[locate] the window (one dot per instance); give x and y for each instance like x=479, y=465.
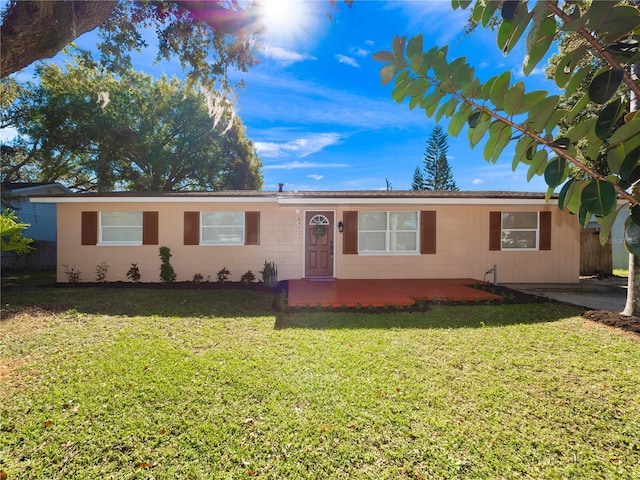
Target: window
x=519, y=231
x=388, y=232
x=121, y=228
x=222, y=228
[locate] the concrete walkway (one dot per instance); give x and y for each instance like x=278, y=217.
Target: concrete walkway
x=593, y=293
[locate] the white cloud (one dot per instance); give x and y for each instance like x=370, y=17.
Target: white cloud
x=300, y=147
x=285, y=57
x=315, y=177
x=297, y=165
x=477, y=181
x=359, y=52
x=347, y=60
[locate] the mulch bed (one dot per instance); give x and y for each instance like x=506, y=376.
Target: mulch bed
x=616, y=320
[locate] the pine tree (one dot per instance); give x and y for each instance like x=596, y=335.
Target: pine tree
x=438, y=175
x=418, y=180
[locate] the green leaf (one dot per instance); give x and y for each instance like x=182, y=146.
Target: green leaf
x=477, y=133
x=605, y=84
x=447, y=109
x=563, y=195
x=532, y=99
x=430, y=109
x=576, y=80
x=599, y=197
x=540, y=114
x=415, y=46
x=417, y=65
x=398, y=45
x=489, y=10
x=504, y=33
x=538, y=48
x=562, y=142
x=556, y=172
x=459, y=119
x=538, y=164
x=414, y=102
x=418, y=87
x=608, y=117
x=574, y=195
x=521, y=151
x=635, y=213
x=626, y=132
x=632, y=236
x=520, y=24
x=615, y=156
x=583, y=216
x=499, y=89
x=620, y=21
x=606, y=224
x=567, y=64
x=630, y=162
x=474, y=118
x=577, y=108
x=513, y=99
x=509, y=8
x=383, y=56
x=499, y=136
x=387, y=74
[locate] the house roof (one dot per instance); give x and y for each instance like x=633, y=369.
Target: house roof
x=304, y=197
x=23, y=188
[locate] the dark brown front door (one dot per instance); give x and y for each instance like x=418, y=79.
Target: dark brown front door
x=318, y=244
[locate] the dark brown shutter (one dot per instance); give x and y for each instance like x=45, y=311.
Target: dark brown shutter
x=545, y=230
x=427, y=232
x=150, y=228
x=191, y=228
x=252, y=228
x=89, y=228
x=495, y=230
x=350, y=234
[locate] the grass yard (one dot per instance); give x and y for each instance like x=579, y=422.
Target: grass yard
x=116, y=383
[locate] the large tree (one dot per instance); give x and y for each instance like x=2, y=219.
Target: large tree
x=438, y=175
x=207, y=36
x=608, y=30
x=97, y=131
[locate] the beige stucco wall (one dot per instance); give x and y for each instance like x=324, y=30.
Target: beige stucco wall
x=462, y=245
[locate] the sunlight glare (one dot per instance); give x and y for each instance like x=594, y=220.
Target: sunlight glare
x=287, y=20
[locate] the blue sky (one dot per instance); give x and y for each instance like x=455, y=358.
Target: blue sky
x=320, y=117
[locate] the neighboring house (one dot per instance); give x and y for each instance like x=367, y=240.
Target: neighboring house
x=372, y=234
x=41, y=218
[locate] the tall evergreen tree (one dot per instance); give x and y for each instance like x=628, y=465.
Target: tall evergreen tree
x=438, y=175
x=418, y=180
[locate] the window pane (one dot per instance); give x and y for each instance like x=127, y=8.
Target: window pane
x=403, y=220
x=519, y=239
x=222, y=219
x=524, y=220
x=371, y=241
x=223, y=235
x=403, y=241
x=116, y=219
x=372, y=221
x=122, y=234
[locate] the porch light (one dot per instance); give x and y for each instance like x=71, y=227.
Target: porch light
x=340, y=226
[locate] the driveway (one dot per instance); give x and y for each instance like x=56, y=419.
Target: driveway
x=592, y=292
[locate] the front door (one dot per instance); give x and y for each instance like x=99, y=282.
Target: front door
x=318, y=244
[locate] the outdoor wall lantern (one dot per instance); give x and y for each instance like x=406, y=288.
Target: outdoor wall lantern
x=340, y=226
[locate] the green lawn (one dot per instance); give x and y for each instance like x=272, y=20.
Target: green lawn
x=116, y=383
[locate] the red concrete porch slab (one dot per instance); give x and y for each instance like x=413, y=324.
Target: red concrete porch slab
x=379, y=293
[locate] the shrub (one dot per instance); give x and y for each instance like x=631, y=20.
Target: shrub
x=248, y=277
x=134, y=273
x=101, y=271
x=270, y=274
x=197, y=278
x=223, y=275
x=167, y=273
x=73, y=275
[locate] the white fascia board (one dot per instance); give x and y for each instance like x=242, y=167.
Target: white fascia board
x=153, y=200
x=414, y=201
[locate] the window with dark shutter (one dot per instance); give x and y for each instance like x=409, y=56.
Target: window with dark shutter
x=150, y=228
x=495, y=230
x=252, y=228
x=89, y=228
x=350, y=234
x=191, y=228
x=428, y=232
x=545, y=230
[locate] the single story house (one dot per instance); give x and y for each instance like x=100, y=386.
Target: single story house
x=348, y=234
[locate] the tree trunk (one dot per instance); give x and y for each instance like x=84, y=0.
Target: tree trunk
x=632, y=307
x=33, y=30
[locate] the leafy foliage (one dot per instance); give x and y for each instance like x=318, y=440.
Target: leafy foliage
x=11, y=234
x=167, y=273
x=96, y=131
x=418, y=180
x=498, y=112
x=438, y=175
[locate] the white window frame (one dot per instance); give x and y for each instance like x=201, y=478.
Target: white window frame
x=222, y=243
x=504, y=234
x=387, y=234
x=102, y=227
